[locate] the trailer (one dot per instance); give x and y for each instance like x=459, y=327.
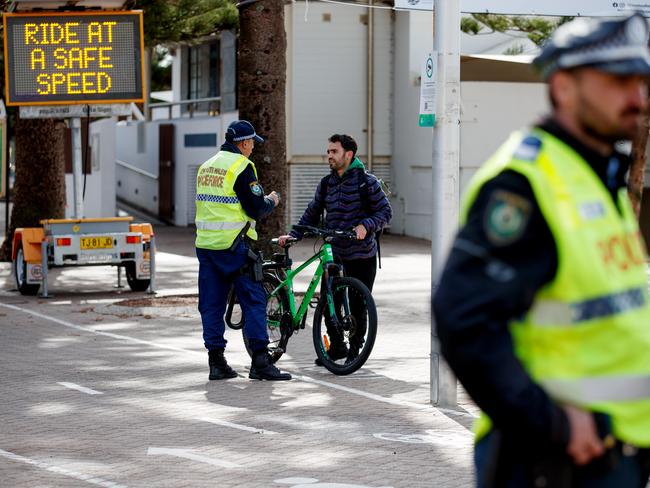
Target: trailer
x=62, y=243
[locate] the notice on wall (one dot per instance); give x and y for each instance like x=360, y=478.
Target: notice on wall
x=595, y=8
x=67, y=58
x=428, y=91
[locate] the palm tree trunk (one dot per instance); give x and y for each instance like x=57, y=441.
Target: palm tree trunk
x=636, y=179
x=262, y=80
x=39, y=189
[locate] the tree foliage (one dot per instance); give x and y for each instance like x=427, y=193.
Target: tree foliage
x=167, y=21
x=537, y=29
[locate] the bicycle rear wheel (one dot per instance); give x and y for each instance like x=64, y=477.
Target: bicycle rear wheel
x=277, y=315
x=343, y=349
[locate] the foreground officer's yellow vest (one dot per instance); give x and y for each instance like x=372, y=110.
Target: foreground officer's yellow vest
x=586, y=338
x=219, y=215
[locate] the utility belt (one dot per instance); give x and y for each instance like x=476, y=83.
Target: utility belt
x=253, y=265
x=550, y=466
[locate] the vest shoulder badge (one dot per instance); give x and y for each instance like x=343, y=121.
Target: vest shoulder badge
x=256, y=189
x=528, y=149
x=506, y=217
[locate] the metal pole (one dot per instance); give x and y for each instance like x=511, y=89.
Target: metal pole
x=119, y=277
x=75, y=125
x=445, y=173
x=371, y=83
x=152, y=266
x=7, y=173
x=44, y=268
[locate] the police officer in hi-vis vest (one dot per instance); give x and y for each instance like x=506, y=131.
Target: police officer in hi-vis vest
x=542, y=310
x=229, y=200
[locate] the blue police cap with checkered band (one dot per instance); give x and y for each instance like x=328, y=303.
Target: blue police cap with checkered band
x=240, y=130
x=618, y=46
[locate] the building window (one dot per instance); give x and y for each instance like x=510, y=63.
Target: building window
x=214, y=70
x=194, y=78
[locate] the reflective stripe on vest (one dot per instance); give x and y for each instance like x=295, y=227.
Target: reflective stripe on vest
x=202, y=197
x=553, y=313
x=599, y=390
x=202, y=225
x=586, y=338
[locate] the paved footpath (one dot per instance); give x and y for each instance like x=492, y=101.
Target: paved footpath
x=100, y=390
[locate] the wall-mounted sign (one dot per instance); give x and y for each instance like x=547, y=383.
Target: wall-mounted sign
x=538, y=7
x=74, y=58
x=428, y=91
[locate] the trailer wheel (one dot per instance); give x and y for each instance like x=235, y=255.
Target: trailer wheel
x=134, y=283
x=20, y=274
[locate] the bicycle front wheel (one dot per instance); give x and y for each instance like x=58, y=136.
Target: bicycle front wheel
x=277, y=313
x=343, y=345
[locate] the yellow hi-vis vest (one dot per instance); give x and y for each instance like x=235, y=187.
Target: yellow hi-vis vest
x=586, y=337
x=219, y=215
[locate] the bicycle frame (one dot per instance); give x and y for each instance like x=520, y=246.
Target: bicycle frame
x=325, y=258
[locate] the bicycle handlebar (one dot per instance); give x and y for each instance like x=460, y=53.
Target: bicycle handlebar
x=308, y=230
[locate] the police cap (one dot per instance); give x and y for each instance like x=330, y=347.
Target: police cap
x=618, y=46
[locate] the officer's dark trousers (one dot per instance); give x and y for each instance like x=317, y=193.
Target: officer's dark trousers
x=515, y=469
x=217, y=271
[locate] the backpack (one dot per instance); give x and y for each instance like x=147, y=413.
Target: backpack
x=365, y=200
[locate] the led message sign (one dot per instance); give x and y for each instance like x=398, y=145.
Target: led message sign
x=68, y=58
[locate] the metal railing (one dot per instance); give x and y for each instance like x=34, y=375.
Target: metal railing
x=135, y=169
x=193, y=105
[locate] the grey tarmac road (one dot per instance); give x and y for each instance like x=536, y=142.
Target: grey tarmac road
x=100, y=390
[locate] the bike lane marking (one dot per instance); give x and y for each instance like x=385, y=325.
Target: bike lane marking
x=188, y=454
x=232, y=425
x=82, y=389
x=93, y=480
x=308, y=379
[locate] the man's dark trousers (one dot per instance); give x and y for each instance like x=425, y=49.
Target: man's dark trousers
x=218, y=270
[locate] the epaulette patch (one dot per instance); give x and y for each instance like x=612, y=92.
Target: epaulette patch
x=528, y=149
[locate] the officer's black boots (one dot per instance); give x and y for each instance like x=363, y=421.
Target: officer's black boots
x=219, y=369
x=337, y=350
x=263, y=369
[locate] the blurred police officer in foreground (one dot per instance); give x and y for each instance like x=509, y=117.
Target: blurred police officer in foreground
x=229, y=200
x=543, y=310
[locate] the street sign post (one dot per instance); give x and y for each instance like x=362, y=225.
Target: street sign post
x=55, y=60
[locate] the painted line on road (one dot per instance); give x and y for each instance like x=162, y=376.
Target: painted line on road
x=225, y=423
x=93, y=480
x=365, y=394
x=354, y=391
x=82, y=389
x=99, y=332
x=188, y=454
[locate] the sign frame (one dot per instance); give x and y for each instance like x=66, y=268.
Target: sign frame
x=552, y=8
x=79, y=100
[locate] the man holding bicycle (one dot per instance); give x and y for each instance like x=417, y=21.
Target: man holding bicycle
x=350, y=198
x=229, y=200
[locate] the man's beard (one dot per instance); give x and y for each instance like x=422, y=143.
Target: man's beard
x=616, y=134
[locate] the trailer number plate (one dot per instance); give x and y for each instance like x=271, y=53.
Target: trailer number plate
x=96, y=242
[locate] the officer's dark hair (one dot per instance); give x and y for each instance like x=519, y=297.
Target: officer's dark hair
x=347, y=142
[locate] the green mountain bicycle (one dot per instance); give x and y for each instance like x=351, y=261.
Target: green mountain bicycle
x=345, y=316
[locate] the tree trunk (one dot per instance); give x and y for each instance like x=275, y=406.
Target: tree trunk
x=262, y=80
x=39, y=189
x=637, y=170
